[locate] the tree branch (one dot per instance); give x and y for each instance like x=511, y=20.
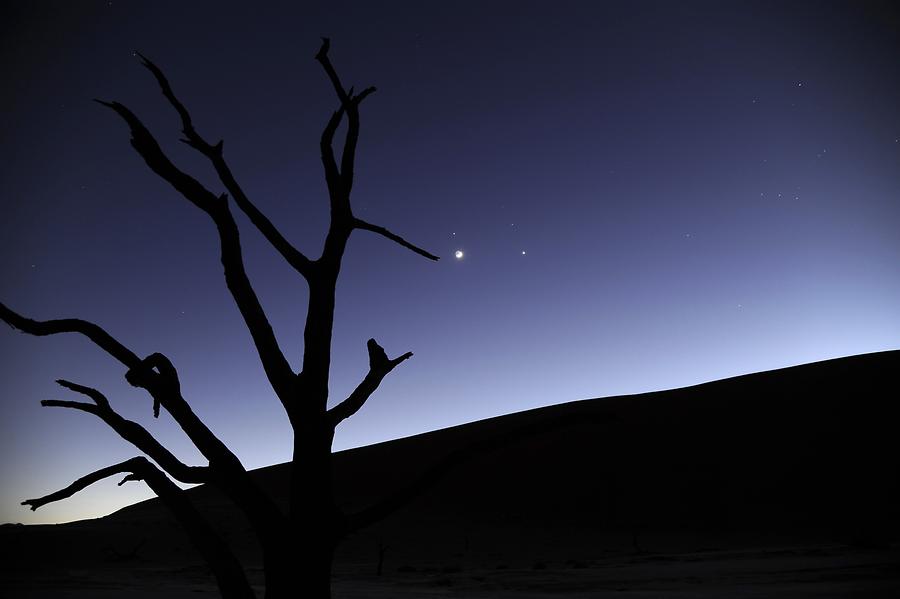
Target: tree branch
x=85, y=481
x=348, y=155
x=379, y=367
x=277, y=368
x=148, y=148
x=95, y=395
x=156, y=374
x=336, y=196
x=361, y=224
x=322, y=57
x=100, y=337
x=350, y=105
x=224, y=565
x=132, y=432
x=216, y=156
x=75, y=405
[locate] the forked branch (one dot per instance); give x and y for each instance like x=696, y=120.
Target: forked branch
x=379, y=366
x=340, y=193
x=274, y=363
x=216, y=156
x=156, y=374
x=132, y=432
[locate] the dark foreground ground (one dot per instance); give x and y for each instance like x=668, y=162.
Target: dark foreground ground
x=778, y=484
x=796, y=572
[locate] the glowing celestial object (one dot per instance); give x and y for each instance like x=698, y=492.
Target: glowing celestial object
x=458, y=254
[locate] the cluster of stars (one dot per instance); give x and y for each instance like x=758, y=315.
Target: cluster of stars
x=459, y=253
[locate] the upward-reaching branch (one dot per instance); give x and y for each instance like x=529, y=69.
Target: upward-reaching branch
x=216, y=156
x=350, y=106
x=320, y=314
x=274, y=363
x=332, y=174
x=348, y=155
x=379, y=366
x=322, y=57
x=340, y=182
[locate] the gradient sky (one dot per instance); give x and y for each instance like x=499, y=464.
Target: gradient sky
x=648, y=194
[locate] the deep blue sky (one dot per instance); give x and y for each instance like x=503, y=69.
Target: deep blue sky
x=700, y=190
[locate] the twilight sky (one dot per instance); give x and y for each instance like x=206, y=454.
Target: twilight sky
x=647, y=194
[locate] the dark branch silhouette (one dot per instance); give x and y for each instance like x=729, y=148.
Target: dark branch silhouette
x=225, y=567
x=216, y=155
x=85, y=481
x=379, y=367
x=361, y=224
x=132, y=432
x=100, y=337
x=155, y=374
x=274, y=363
x=297, y=545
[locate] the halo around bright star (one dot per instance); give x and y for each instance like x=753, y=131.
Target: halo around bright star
x=459, y=254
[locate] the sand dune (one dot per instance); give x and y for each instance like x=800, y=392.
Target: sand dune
x=783, y=483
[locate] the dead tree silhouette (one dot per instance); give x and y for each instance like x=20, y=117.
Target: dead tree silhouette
x=297, y=545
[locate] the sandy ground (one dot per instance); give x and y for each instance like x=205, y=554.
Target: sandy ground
x=820, y=572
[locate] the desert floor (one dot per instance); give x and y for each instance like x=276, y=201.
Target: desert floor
x=810, y=571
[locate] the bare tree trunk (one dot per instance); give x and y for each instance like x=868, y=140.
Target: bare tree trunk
x=298, y=547
x=316, y=521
